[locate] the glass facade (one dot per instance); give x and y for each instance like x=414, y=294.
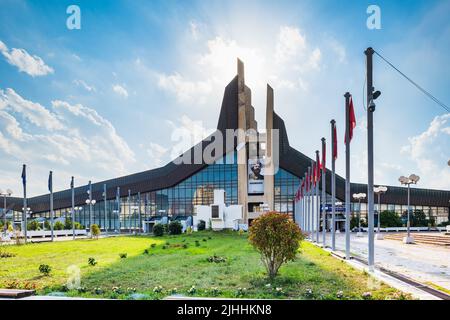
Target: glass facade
x=285, y=186
x=177, y=201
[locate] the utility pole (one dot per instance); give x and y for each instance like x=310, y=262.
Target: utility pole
x=371, y=96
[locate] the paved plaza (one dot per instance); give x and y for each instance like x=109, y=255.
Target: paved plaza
x=423, y=263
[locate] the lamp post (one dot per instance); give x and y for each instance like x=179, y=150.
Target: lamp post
x=8, y=193
x=412, y=179
x=379, y=191
x=90, y=202
x=359, y=197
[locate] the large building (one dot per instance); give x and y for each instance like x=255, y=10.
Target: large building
x=175, y=189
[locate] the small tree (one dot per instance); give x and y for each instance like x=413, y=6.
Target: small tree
x=95, y=231
x=175, y=227
x=277, y=239
x=58, y=225
x=389, y=219
x=158, y=230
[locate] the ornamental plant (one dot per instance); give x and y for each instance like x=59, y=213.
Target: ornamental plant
x=276, y=238
x=95, y=231
x=175, y=227
x=158, y=230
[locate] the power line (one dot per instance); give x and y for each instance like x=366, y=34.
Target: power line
x=436, y=100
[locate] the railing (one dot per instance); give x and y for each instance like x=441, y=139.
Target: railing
x=404, y=229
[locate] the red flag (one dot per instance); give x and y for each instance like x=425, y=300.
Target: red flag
x=352, y=121
x=313, y=174
x=335, y=152
x=318, y=167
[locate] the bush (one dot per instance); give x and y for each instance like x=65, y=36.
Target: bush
x=92, y=262
x=217, y=259
x=277, y=239
x=158, y=230
x=58, y=225
x=47, y=225
x=33, y=226
x=45, y=269
x=201, y=225
x=390, y=219
x=79, y=226
x=175, y=227
x=68, y=224
x=95, y=231
x=123, y=255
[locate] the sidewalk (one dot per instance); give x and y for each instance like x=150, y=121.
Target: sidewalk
x=423, y=263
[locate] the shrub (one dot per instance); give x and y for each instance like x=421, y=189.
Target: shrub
x=58, y=225
x=153, y=245
x=47, y=225
x=33, y=226
x=95, y=231
x=217, y=259
x=6, y=254
x=78, y=226
x=175, y=227
x=158, y=230
x=146, y=251
x=92, y=262
x=68, y=224
x=123, y=255
x=201, y=225
x=45, y=269
x=390, y=219
x=276, y=238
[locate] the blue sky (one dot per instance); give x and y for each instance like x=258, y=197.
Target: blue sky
x=106, y=100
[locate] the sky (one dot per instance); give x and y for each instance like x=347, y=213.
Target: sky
x=111, y=98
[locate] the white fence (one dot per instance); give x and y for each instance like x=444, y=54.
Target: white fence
x=404, y=229
x=56, y=233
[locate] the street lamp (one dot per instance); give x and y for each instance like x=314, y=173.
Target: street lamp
x=379, y=191
x=359, y=197
x=8, y=193
x=412, y=179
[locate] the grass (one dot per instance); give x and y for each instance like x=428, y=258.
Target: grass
x=157, y=267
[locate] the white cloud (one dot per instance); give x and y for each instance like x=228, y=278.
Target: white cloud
x=32, y=65
x=430, y=152
x=32, y=111
x=81, y=83
x=185, y=90
x=120, y=90
x=83, y=139
x=193, y=27
x=291, y=43
x=156, y=154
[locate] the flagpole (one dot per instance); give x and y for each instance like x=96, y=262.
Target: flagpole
x=311, y=195
x=316, y=180
x=347, y=175
x=118, y=207
x=333, y=188
x=52, y=214
x=24, y=183
x=139, y=212
x=73, y=207
x=308, y=227
x=105, y=204
x=324, y=198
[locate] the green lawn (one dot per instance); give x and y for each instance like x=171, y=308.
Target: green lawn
x=315, y=274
